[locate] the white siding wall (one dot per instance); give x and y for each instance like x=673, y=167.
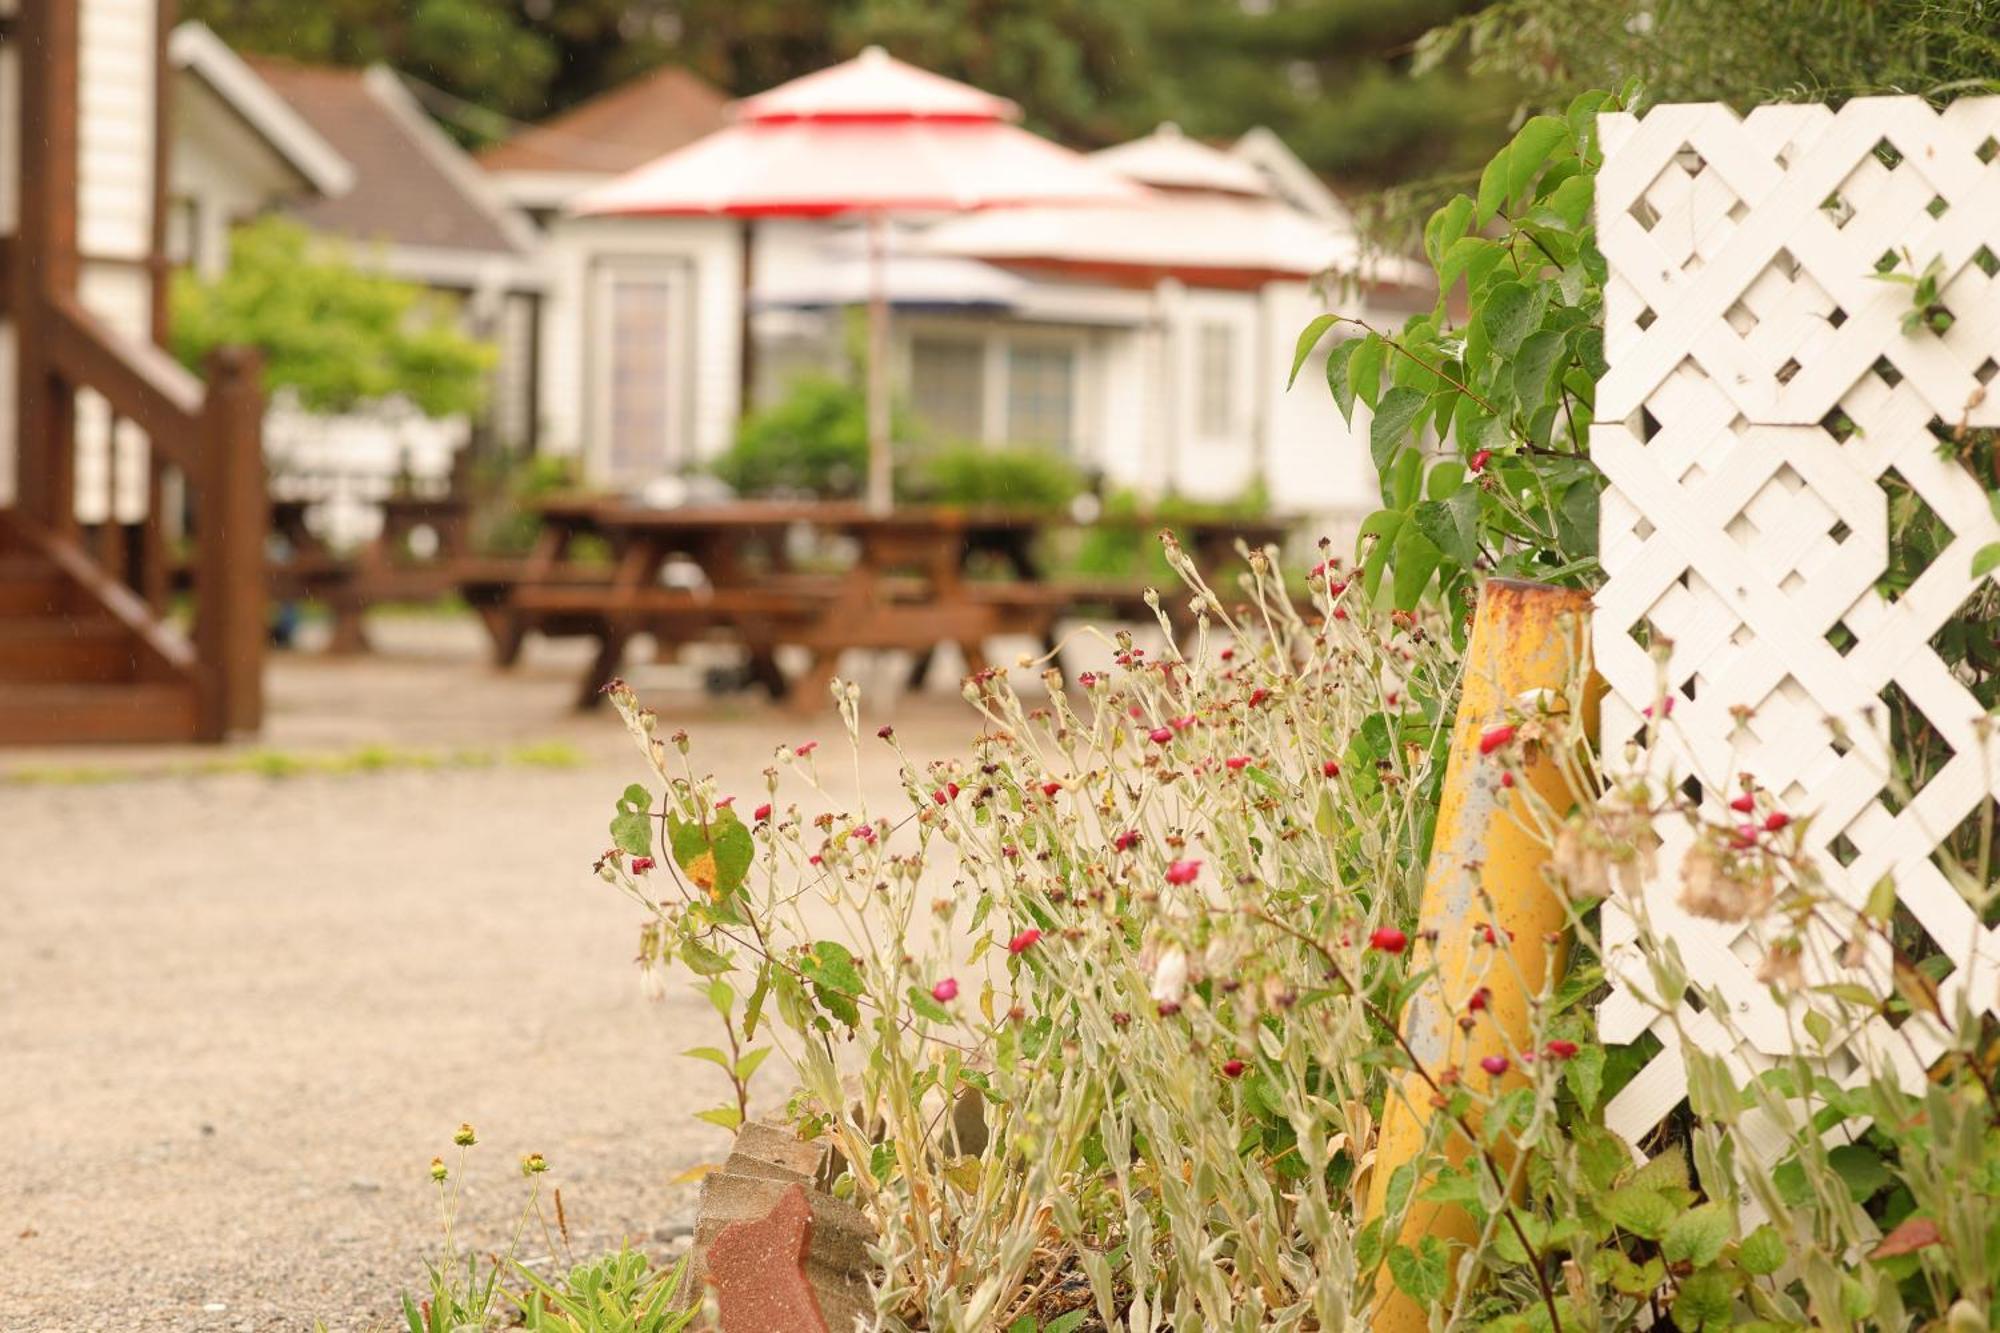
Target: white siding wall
x=115, y=125
x=114, y=220
x=579, y=250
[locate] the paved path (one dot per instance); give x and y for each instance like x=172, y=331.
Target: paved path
x=240, y=1014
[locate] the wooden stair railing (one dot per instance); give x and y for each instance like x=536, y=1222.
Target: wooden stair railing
x=213, y=441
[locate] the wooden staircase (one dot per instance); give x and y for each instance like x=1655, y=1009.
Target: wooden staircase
x=88, y=650
x=72, y=669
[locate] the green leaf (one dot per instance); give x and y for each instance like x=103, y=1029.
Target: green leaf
x=710, y=1054
x=1697, y=1236
x=1446, y=227
x=1572, y=199
x=1705, y=1302
x=1861, y=1168
x=703, y=960
x=1762, y=1252
x=1508, y=174
x=1309, y=338
x=1401, y=1181
x=1416, y=559
x=726, y=1116
x=835, y=980
x=926, y=1004
x=1585, y=1074
x=1420, y=1272
x=1337, y=363
x=747, y=1066
x=1985, y=560
x=1645, y=1213
x=1451, y=526
x=1510, y=313
x=1535, y=364
x=1067, y=1323
x=1391, y=428
x=1364, y=370
x=631, y=828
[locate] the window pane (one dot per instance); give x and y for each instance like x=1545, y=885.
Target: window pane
x=1215, y=381
x=948, y=386
x=1040, y=394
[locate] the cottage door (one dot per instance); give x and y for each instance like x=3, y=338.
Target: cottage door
x=641, y=400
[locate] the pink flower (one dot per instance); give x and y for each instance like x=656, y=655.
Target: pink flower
x=1507, y=778
x=1480, y=459
x=1387, y=939
x=1024, y=941
x=1183, y=722
x=951, y=790
x=1159, y=735
x=641, y=864
x=1330, y=769
x=884, y=732
x=762, y=812
x=1559, y=1050
x=1258, y=696
x=1495, y=1065
x=803, y=750
x=1232, y=1069
x=1776, y=820
x=725, y=803
x=1494, y=737
x=865, y=832
x=1744, y=804
x=815, y=859
x=1237, y=763
x=938, y=797
x=1051, y=788
x=1183, y=872
x=945, y=991
x=1665, y=708
x=1126, y=841
x=1478, y=999
x=1227, y=654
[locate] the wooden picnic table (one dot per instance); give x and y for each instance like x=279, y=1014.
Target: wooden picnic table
x=907, y=587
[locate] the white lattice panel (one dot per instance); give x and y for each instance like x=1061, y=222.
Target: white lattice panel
x=1762, y=401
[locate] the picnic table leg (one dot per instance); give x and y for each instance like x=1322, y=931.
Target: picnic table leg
x=920, y=667
x=808, y=694
x=350, y=631
x=503, y=626
x=610, y=657
x=762, y=668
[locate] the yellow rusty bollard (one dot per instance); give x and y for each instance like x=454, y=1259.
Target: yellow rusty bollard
x=1528, y=637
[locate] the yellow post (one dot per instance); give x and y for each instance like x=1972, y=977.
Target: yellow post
x=1485, y=869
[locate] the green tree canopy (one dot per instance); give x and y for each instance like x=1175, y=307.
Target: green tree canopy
x=335, y=334
x=1331, y=76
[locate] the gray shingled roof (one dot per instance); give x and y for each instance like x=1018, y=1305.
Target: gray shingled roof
x=402, y=195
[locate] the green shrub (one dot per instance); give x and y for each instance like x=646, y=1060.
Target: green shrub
x=337, y=335
x=1013, y=478
x=813, y=441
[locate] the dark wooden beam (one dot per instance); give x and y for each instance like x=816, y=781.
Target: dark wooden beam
x=45, y=261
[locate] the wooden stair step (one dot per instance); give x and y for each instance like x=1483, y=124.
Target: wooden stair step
x=73, y=648
x=30, y=585
x=105, y=712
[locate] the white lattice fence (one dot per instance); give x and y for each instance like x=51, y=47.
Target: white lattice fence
x=1763, y=403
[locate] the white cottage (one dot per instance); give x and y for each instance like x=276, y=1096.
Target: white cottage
x=1150, y=345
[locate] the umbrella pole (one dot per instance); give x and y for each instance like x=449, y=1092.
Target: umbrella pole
x=881, y=496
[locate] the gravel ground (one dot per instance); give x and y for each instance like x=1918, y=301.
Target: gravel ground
x=239, y=1014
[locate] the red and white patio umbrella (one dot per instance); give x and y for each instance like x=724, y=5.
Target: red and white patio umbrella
x=873, y=136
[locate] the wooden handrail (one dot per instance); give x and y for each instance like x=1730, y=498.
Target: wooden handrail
x=142, y=382
x=233, y=517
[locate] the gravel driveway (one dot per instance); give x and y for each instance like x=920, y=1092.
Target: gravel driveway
x=239, y=1014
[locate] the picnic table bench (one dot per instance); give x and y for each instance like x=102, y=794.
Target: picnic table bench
x=907, y=588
